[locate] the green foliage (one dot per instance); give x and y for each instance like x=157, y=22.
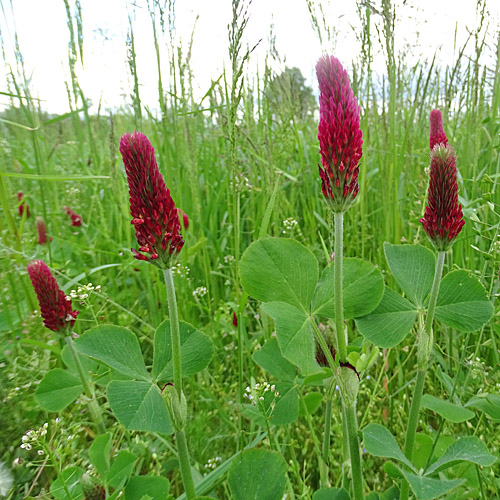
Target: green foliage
x=68, y=482
x=58, y=389
x=462, y=301
x=380, y=442
x=139, y=406
x=446, y=409
x=331, y=494
x=196, y=351
x=284, y=275
x=258, y=475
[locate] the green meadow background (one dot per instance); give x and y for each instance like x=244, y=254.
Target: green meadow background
x=246, y=150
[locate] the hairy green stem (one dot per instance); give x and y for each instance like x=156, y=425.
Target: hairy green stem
x=175, y=340
x=94, y=408
x=349, y=412
x=352, y=431
x=326, y=442
x=185, y=466
x=425, y=341
x=337, y=273
x=174, y=330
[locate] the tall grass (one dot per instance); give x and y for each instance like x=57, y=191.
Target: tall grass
x=223, y=156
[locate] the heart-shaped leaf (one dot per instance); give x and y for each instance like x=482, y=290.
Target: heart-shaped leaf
x=121, y=468
x=390, y=322
x=58, y=389
x=269, y=358
x=413, y=268
x=156, y=487
x=99, y=452
x=139, y=406
x=196, y=351
x=428, y=488
x=380, y=442
x=462, y=302
x=469, y=449
x=257, y=475
x=295, y=335
x=363, y=287
x=279, y=270
x=446, y=409
x=68, y=481
x=116, y=347
x=331, y=494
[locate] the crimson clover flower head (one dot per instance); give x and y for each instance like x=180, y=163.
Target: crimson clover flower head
x=437, y=135
x=57, y=312
x=76, y=220
x=154, y=216
x=42, y=231
x=23, y=205
x=340, y=137
x=443, y=218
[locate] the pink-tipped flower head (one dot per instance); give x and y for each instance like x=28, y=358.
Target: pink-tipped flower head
x=57, y=312
x=76, y=220
x=437, y=135
x=153, y=211
x=340, y=137
x=22, y=205
x=42, y=231
x=443, y=218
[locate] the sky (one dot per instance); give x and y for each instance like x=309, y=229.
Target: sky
x=423, y=28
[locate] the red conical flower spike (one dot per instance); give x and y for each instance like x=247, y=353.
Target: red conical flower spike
x=443, y=218
x=42, y=231
x=23, y=205
x=153, y=211
x=437, y=135
x=340, y=137
x=76, y=219
x=56, y=311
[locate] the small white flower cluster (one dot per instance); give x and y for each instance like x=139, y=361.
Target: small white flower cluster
x=212, y=463
x=72, y=191
x=240, y=182
x=83, y=292
x=291, y=227
x=228, y=259
x=32, y=436
x=180, y=270
x=257, y=391
x=201, y=291
x=5, y=146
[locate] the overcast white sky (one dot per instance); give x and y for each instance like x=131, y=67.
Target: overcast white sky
x=428, y=26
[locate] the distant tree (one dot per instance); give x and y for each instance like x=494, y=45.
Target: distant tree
x=288, y=96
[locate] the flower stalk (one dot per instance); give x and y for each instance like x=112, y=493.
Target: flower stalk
x=58, y=315
x=180, y=436
x=340, y=140
x=424, y=347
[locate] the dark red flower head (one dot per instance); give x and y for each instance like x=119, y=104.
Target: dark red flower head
x=153, y=211
x=443, y=218
x=437, y=135
x=76, y=219
x=340, y=137
x=56, y=311
x=23, y=205
x=42, y=231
